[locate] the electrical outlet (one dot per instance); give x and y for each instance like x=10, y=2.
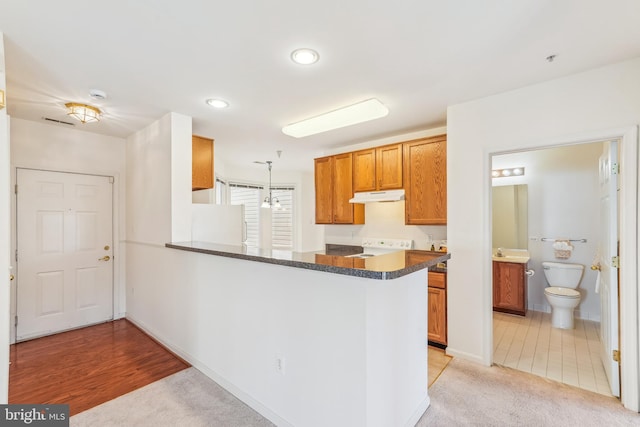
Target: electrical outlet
x=280, y=365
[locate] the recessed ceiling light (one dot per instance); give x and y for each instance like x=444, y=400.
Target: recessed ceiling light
x=217, y=103
x=305, y=56
x=347, y=116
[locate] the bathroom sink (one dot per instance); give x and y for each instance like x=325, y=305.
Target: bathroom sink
x=520, y=256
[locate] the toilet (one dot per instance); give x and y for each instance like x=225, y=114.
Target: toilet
x=563, y=279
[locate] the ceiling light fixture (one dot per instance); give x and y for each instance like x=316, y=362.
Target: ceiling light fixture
x=353, y=114
x=83, y=112
x=305, y=56
x=501, y=173
x=269, y=201
x=217, y=103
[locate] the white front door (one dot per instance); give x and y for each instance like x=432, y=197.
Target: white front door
x=64, y=241
x=608, y=276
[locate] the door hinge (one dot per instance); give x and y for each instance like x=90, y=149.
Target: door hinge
x=616, y=355
x=615, y=169
x=615, y=262
x=16, y=255
x=15, y=322
x=15, y=189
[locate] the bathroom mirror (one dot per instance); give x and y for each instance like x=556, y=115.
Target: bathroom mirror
x=510, y=219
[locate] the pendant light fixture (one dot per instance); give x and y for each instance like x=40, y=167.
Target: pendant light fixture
x=83, y=112
x=269, y=201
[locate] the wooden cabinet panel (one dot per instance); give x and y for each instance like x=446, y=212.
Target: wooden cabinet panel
x=201, y=163
x=389, y=167
x=437, y=280
x=437, y=308
x=509, y=287
x=378, y=168
x=364, y=170
x=334, y=188
x=340, y=261
x=343, y=189
x=324, y=190
x=425, y=181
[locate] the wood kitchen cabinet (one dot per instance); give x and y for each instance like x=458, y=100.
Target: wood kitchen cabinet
x=425, y=181
x=509, y=287
x=340, y=261
x=378, y=168
x=334, y=188
x=437, y=308
x=201, y=163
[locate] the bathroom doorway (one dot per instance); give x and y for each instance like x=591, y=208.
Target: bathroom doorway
x=563, y=203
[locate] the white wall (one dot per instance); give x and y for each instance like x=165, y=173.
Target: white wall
x=159, y=182
x=5, y=234
x=56, y=148
x=568, y=109
x=563, y=202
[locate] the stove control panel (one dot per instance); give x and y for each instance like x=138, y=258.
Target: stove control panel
x=391, y=244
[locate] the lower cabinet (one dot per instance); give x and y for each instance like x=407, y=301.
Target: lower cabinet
x=509, y=287
x=437, y=308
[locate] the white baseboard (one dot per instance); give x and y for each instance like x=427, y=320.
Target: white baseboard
x=422, y=407
x=221, y=381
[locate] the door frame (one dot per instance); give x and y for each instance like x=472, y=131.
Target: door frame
x=118, y=265
x=629, y=217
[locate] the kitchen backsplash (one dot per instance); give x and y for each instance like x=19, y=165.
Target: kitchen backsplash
x=385, y=220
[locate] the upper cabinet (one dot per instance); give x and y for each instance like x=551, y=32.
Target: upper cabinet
x=425, y=181
x=334, y=188
x=418, y=166
x=378, y=168
x=201, y=163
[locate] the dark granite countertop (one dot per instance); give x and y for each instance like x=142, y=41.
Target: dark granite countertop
x=333, y=260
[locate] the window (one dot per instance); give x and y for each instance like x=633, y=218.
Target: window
x=249, y=196
x=221, y=192
x=282, y=219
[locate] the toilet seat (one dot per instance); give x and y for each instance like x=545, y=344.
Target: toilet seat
x=557, y=291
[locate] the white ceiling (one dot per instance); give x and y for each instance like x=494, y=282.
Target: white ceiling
x=417, y=57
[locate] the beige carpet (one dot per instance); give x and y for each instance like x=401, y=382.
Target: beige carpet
x=467, y=394
x=187, y=398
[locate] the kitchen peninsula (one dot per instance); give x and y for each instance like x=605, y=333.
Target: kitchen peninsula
x=306, y=341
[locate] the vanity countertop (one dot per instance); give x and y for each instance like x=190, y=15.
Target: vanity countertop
x=520, y=256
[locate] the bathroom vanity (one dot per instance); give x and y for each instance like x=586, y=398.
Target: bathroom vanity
x=510, y=281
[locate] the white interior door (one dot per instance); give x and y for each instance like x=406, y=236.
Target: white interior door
x=608, y=248
x=64, y=241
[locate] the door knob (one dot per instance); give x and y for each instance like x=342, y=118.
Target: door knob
x=104, y=258
x=11, y=277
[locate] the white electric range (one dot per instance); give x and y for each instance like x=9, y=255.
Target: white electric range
x=373, y=246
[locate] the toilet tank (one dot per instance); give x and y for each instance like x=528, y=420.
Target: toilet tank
x=563, y=275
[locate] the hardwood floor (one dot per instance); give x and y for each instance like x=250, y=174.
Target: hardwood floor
x=437, y=362
x=89, y=366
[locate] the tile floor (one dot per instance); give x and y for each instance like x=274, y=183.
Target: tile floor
x=437, y=361
x=530, y=344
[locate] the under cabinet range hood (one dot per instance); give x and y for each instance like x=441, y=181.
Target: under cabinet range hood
x=378, y=196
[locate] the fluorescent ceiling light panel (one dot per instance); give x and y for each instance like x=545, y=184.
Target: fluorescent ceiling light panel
x=357, y=113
